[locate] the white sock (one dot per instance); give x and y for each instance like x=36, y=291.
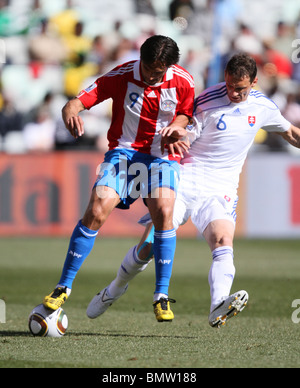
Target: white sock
x=68, y=290
x=130, y=267
x=157, y=297
x=221, y=275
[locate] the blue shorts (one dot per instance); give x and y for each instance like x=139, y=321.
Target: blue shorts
x=133, y=174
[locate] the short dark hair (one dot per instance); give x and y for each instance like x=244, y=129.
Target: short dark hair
x=160, y=48
x=242, y=65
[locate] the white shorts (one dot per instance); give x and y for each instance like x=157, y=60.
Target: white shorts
x=204, y=210
x=201, y=198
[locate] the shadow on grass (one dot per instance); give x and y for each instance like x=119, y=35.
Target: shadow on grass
x=8, y=333
x=5, y=334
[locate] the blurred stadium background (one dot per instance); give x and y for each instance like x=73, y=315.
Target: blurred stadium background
x=51, y=49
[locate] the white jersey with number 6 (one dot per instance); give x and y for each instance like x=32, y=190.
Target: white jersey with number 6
x=210, y=172
x=226, y=132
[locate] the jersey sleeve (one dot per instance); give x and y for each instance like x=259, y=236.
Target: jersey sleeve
x=99, y=91
x=187, y=103
x=186, y=96
x=194, y=129
x=276, y=122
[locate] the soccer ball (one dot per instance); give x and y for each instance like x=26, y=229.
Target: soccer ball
x=47, y=323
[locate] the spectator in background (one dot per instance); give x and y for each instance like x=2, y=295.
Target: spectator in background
x=65, y=21
x=46, y=47
x=6, y=19
x=285, y=35
x=276, y=63
x=40, y=134
x=124, y=52
x=181, y=8
x=98, y=53
x=247, y=41
x=292, y=109
x=32, y=115
x=10, y=119
x=195, y=64
x=78, y=69
x=35, y=17
x=144, y=7
x=78, y=45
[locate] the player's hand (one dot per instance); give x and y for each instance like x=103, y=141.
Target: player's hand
x=175, y=137
x=174, y=131
x=75, y=126
x=179, y=147
x=72, y=120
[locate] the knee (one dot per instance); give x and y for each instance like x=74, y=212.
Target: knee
x=166, y=212
x=94, y=217
x=219, y=233
x=163, y=217
x=220, y=240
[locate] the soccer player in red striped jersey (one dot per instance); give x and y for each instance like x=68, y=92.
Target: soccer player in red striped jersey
x=152, y=104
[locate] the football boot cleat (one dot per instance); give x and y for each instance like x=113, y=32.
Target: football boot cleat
x=101, y=302
x=56, y=299
x=228, y=308
x=163, y=311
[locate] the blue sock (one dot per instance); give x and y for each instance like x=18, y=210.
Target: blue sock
x=81, y=244
x=164, y=250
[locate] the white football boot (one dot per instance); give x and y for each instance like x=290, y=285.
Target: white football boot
x=101, y=302
x=228, y=308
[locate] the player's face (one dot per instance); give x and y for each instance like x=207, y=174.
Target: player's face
x=153, y=73
x=238, y=89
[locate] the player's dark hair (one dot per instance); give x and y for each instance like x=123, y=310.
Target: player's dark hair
x=242, y=65
x=160, y=48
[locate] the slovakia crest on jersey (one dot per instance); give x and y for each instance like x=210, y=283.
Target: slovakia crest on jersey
x=251, y=120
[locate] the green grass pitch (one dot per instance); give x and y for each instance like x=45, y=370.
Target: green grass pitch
x=127, y=335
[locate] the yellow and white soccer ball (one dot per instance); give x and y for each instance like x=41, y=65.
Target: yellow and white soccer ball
x=47, y=323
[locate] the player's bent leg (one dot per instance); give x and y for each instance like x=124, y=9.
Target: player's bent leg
x=228, y=308
x=102, y=202
x=81, y=244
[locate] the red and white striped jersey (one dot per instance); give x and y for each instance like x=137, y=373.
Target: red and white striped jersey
x=139, y=110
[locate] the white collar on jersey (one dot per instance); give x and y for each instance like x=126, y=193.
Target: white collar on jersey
x=137, y=73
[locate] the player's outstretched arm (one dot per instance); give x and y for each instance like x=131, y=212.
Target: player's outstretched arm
x=72, y=120
x=292, y=136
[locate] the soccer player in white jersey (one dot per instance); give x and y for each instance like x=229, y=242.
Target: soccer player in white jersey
x=227, y=118
x=149, y=95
